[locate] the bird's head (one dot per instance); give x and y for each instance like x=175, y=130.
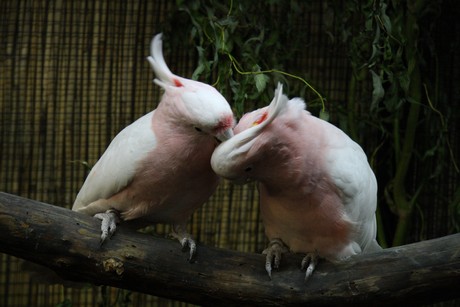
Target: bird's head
x=238, y=158
x=200, y=106
x=207, y=110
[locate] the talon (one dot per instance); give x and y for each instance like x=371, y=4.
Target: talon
x=268, y=261
x=274, y=251
x=109, y=220
x=305, y=262
x=268, y=268
x=192, y=246
x=309, y=263
x=185, y=240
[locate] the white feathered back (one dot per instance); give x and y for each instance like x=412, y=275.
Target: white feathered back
x=116, y=167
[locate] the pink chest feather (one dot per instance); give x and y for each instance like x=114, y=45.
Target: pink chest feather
x=169, y=185
x=313, y=222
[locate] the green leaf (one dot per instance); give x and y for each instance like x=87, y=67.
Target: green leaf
x=198, y=71
x=324, y=115
x=385, y=19
x=404, y=82
x=261, y=82
x=378, y=92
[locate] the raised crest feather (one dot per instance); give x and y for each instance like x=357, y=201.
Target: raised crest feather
x=164, y=76
x=242, y=142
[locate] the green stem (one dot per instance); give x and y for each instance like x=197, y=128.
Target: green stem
x=403, y=204
x=238, y=68
x=381, y=238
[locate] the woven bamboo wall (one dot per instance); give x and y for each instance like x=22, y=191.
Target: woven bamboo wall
x=73, y=74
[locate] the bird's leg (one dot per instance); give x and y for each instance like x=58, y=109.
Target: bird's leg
x=109, y=219
x=275, y=249
x=185, y=239
x=309, y=263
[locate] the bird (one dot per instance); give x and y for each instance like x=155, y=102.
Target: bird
x=157, y=169
x=317, y=191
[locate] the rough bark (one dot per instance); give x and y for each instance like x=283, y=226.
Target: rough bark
x=68, y=242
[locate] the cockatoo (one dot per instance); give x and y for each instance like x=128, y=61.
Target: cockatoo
x=317, y=191
x=158, y=168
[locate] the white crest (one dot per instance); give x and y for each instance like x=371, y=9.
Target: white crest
x=164, y=76
x=241, y=143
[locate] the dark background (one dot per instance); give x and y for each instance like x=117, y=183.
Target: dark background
x=74, y=73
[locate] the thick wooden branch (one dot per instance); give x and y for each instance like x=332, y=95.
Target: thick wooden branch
x=68, y=242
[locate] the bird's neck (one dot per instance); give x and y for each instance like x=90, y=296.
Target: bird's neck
x=171, y=104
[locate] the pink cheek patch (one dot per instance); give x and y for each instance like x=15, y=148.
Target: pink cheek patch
x=225, y=123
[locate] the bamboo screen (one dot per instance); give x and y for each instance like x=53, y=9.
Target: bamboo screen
x=73, y=74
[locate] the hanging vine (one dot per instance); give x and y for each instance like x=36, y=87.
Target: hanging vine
x=388, y=43
x=244, y=46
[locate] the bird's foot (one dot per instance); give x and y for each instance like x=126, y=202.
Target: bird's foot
x=185, y=239
x=309, y=263
x=109, y=220
x=274, y=251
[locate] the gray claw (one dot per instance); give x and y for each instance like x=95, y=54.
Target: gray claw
x=192, y=245
x=309, y=263
x=268, y=268
x=185, y=239
x=109, y=220
x=274, y=251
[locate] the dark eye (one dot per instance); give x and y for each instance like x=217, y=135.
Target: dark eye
x=248, y=169
x=198, y=129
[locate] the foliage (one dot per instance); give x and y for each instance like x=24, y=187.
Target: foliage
x=390, y=42
x=245, y=46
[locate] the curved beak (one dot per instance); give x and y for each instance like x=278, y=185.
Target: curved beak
x=224, y=135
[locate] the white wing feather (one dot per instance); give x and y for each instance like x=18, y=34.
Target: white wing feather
x=348, y=168
x=117, y=165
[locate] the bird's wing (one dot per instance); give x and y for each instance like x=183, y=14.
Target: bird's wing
x=348, y=168
x=116, y=167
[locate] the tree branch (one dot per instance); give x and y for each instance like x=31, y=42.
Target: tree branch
x=68, y=242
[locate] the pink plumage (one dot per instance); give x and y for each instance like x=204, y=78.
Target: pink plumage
x=158, y=168
x=317, y=190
